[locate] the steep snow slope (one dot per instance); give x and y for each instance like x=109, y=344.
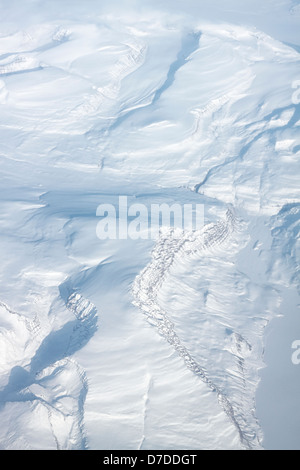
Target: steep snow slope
x=148, y=344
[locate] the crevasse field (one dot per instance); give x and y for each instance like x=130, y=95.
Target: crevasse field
x=178, y=342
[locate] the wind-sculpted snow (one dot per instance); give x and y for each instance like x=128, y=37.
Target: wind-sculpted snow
x=20, y=64
x=190, y=44
x=19, y=328
x=182, y=102
x=53, y=381
x=286, y=232
x=169, y=251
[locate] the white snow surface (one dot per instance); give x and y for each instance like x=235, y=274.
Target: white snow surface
x=183, y=342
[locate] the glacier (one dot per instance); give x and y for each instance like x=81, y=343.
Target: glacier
x=183, y=342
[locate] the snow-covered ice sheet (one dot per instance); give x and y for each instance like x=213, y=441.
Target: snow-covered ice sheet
x=183, y=342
